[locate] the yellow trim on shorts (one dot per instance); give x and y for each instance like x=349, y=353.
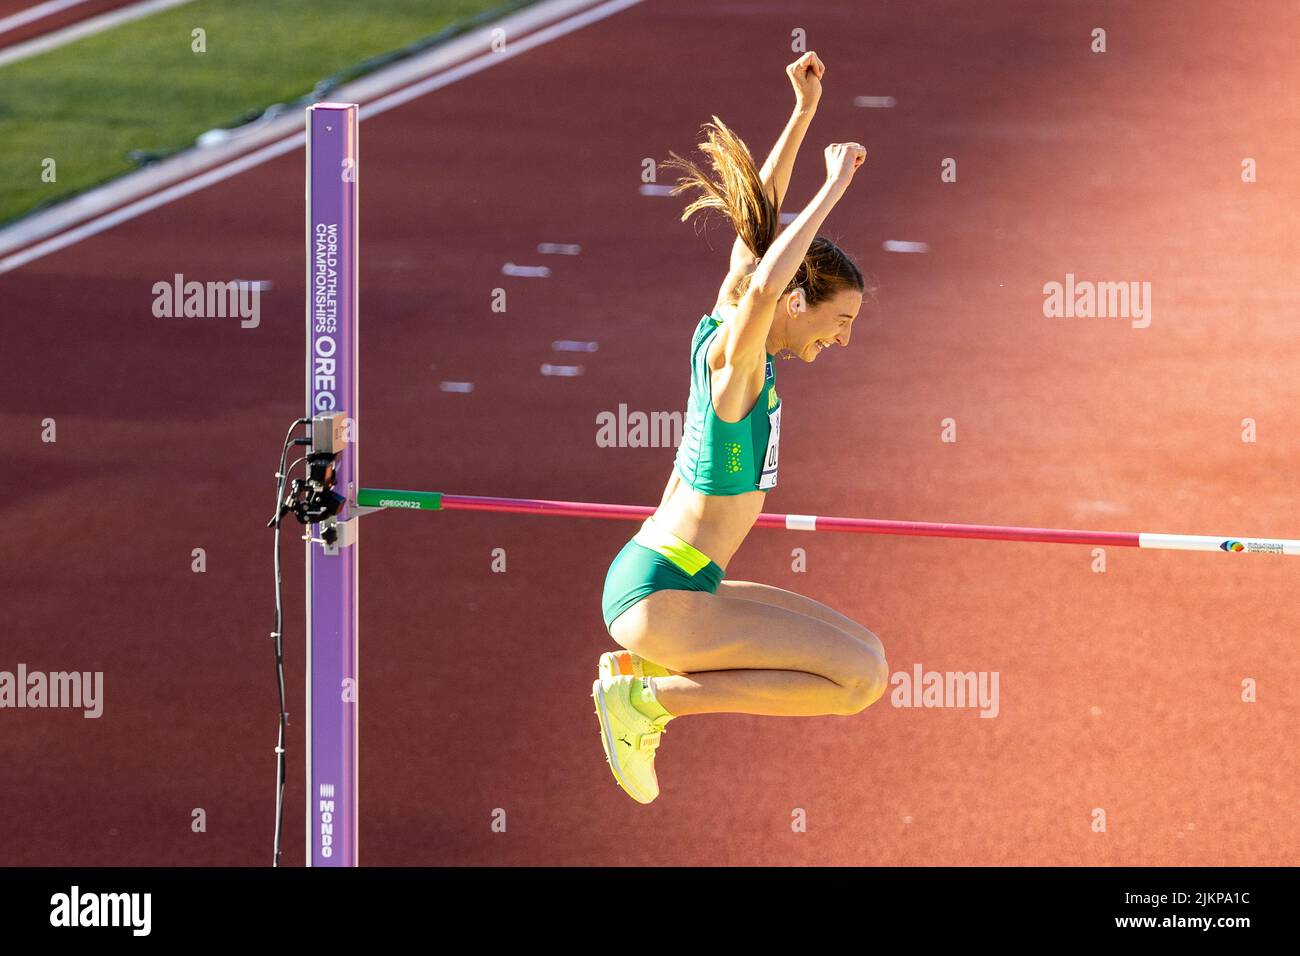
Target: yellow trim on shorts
x=659, y=539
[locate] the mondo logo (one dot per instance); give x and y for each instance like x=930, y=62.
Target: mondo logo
x=326, y=808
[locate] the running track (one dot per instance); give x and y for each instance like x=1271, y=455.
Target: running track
x=49, y=18
x=1118, y=690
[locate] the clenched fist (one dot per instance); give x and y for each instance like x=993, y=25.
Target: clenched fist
x=806, y=77
x=842, y=161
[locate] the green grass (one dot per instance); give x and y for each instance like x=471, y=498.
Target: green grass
x=141, y=87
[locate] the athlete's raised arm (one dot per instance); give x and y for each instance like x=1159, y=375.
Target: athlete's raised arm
x=748, y=336
x=805, y=76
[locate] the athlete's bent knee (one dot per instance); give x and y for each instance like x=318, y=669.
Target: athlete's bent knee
x=866, y=685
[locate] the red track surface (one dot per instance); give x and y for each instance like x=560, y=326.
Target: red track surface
x=55, y=21
x=1119, y=690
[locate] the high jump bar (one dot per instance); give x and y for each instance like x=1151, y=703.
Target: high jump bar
x=369, y=499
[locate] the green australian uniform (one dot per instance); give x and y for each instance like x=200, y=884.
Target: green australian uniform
x=718, y=457
x=715, y=457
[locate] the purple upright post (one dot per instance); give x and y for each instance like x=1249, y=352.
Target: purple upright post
x=332, y=571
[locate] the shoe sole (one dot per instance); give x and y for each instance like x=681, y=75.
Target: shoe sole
x=607, y=741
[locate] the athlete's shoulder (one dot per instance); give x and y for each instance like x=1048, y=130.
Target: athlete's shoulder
x=711, y=321
x=721, y=312
x=704, y=329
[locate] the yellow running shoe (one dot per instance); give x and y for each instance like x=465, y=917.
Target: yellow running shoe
x=614, y=663
x=629, y=737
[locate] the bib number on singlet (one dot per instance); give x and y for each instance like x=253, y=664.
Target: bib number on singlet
x=768, y=478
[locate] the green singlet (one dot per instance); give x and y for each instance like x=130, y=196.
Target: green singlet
x=717, y=457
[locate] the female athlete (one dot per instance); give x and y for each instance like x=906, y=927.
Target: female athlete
x=694, y=642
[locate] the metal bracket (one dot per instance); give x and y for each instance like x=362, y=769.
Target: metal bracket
x=337, y=534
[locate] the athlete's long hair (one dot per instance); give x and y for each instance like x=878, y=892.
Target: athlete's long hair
x=736, y=190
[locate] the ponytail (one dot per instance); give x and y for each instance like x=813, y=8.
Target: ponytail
x=736, y=190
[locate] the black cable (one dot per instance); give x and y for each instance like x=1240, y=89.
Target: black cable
x=281, y=478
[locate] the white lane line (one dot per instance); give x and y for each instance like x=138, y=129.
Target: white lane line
x=38, y=12
x=509, y=51
x=562, y=371
x=148, y=203
x=527, y=272
x=289, y=143
x=901, y=245
x=76, y=31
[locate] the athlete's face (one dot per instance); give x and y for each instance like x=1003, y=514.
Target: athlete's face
x=826, y=324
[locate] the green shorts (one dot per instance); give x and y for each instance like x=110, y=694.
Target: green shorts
x=655, y=560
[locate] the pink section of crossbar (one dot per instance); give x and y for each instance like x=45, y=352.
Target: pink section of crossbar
x=932, y=529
